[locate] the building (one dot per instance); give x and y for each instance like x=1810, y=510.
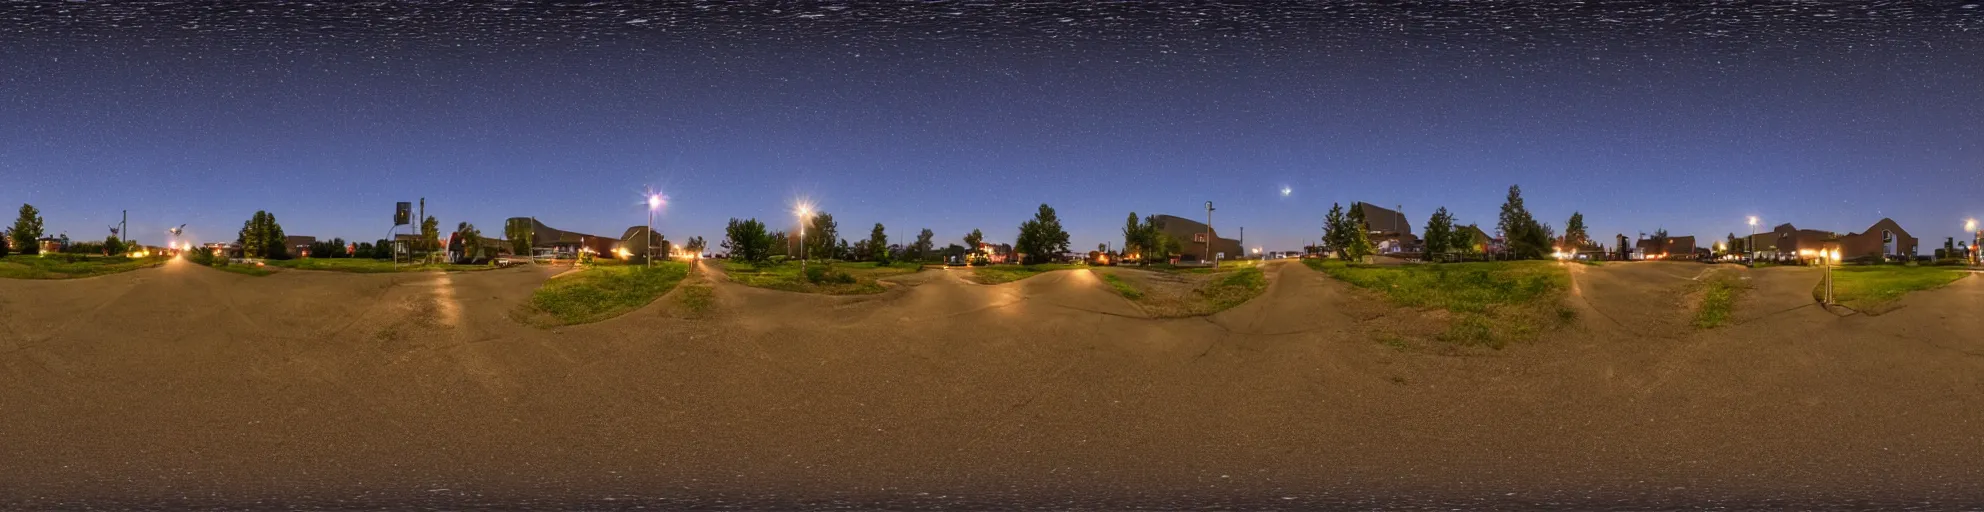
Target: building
x=630, y=243
x=1478, y=241
x=996, y=253
x=1785, y=243
x=298, y=246
x=1390, y=232
x=1884, y=239
x=1191, y=237
x=1675, y=247
x=554, y=243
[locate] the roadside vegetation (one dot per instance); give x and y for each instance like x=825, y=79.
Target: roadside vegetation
x=602, y=292
x=1186, y=291
x=367, y=266
x=827, y=277
x=1124, y=288
x=1875, y=289
x=1492, y=304
x=1717, y=304
x=999, y=274
x=71, y=266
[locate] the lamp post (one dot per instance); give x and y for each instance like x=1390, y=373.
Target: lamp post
x=1975, y=236
x=647, y=253
x=1215, y=261
x=805, y=211
x=1751, y=244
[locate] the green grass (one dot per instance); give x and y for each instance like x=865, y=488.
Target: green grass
x=604, y=292
x=1875, y=288
x=247, y=269
x=58, y=266
x=1493, y=303
x=1718, y=302
x=1122, y=287
x=999, y=274
x=1235, y=287
x=697, y=298
x=1224, y=266
x=787, y=276
x=367, y=266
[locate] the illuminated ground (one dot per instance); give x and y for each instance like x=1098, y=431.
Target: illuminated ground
x=188, y=386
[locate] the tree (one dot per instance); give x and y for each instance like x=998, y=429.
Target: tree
x=1439, y=234
x=1575, y=236
x=1461, y=240
x=363, y=250
x=842, y=251
x=1352, y=233
x=26, y=232
x=112, y=246
x=261, y=237
x=822, y=235
x=924, y=244
x=1526, y=238
x=430, y=234
x=747, y=241
x=382, y=250
x=954, y=251
x=1335, y=234
x=782, y=244
x=973, y=240
x=518, y=231
x=695, y=245
x=1133, y=234
x=1041, y=238
x=878, y=244
x=471, y=241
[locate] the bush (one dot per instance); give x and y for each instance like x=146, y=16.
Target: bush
x=980, y=261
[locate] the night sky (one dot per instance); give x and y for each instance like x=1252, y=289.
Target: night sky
x=955, y=116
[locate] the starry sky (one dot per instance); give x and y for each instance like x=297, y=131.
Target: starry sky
x=954, y=116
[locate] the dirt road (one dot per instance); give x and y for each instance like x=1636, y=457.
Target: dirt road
x=187, y=386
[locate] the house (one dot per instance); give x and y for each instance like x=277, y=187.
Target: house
x=1674, y=247
x=996, y=253
x=554, y=243
x=1882, y=240
x=631, y=241
x=1478, y=241
x=1192, y=242
x=298, y=246
x=1786, y=242
x=1390, y=232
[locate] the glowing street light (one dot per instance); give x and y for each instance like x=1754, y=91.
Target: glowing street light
x=804, y=210
x=647, y=253
x=1751, y=243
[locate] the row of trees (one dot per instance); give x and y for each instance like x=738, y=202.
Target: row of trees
x=1346, y=233
x=1041, y=239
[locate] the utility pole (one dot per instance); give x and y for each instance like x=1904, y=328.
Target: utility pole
x=1215, y=261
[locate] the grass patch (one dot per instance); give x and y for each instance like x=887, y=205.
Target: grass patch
x=246, y=270
x=1718, y=302
x=1875, y=288
x=832, y=278
x=71, y=266
x=1124, y=288
x=999, y=274
x=600, y=293
x=1224, y=266
x=367, y=266
x=1493, y=303
x=1235, y=287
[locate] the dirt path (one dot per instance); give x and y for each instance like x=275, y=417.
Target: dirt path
x=183, y=386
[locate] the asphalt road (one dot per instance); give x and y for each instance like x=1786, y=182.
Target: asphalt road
x=184, y=386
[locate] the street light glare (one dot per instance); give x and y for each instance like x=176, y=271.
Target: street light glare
x=1753, y=220
x=654, y=201
x=1970, y=225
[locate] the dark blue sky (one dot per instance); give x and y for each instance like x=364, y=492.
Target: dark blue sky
x=953, y=117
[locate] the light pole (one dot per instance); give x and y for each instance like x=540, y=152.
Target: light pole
x=1975, y=236
x=647, y=253
x=1215, y=261
x=1751, y=244
x=805, y=211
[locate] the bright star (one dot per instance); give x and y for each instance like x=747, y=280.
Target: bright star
x=1285, y=191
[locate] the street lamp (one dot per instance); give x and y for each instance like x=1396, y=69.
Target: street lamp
x=647, y=253
x=1970, y=226
x=1751, y=244
x=805, y=212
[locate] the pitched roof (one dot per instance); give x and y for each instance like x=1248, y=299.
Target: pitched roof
x=1383, y=219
